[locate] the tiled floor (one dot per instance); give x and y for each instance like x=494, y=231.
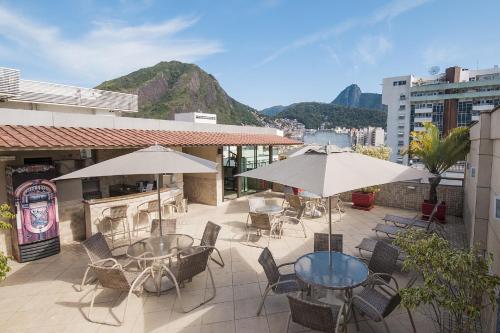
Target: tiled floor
x=42, y=296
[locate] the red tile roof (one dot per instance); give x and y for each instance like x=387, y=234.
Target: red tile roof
x=45, y=137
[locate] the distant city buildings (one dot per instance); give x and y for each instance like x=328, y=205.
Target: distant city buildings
x=450, y=99
x=368, y=136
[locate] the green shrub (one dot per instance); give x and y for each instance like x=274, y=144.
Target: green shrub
x=5, y=215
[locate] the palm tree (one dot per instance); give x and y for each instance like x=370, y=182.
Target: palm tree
x=437, y=153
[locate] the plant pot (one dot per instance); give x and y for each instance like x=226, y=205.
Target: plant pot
x=427, y=208
x=362, y=200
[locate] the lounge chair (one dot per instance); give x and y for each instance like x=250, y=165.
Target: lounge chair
x=368, y=245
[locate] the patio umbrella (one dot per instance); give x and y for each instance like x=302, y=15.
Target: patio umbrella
x=328, y=170
x=155, y=160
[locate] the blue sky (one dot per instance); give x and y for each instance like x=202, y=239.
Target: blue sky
x=263, y=52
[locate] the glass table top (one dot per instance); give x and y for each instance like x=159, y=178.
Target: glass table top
x=345, y=271
x=269, y=209
x=155, y=248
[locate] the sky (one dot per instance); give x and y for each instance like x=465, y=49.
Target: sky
x=262, y=52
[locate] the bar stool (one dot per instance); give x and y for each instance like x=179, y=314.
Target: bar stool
x=145, y=211
x=113, y=219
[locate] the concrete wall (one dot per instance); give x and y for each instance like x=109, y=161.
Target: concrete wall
x=60, y=119
x=206, y=188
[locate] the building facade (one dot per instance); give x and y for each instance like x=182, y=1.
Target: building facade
x=450, y=99
x=368, y=136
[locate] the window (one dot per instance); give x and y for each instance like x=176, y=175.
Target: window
x=401, y=83
x=402, y=107
x=401, y=117
x=395, y=83
x=402, y=97
x=401, y=127
x=497, y=207
x=401, y=143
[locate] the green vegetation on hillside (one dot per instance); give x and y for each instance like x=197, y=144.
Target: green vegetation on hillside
x=313, y=114
x=174, y=87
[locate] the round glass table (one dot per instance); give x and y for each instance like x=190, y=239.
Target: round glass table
x=338, y=272
x=155, y=250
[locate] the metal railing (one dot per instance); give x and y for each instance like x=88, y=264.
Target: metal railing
x=52, y=93
x=9, y=82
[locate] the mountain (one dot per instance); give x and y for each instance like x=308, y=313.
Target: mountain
x=175, y=87
x=273, y=110
x=353, y=96
x=314, y=114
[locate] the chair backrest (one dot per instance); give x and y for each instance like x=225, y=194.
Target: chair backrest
x=97, y=248
x=153, y=206
x=149, y=187
x=301, y=211
x=395, y=299
x=255, y=203
x=117, y=212
x=383, y=259
x=295, y=202
x=266, y=260
x=193, y=263
x=111, y=277
x=210, y=234
x=321, y=242
x=178, y=199
x=314, y=315
x=260, y=221
x=168, y=226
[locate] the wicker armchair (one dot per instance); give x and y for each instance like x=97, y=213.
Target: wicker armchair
x=377, y=300
x=112, y=220
x=210, y=238
x=254, y=204
x=297, y=219
x=188, y=265
x=98, y=250
x=294, y=203
x=314, y=314
x=115, y=277
x=263, y=221
x=321, y=242
x=179, y=205
x=277, y=282
x=383, y=261
x=168, y=226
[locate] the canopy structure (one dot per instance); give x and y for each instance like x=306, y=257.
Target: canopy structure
x=155, y=160
x=327, y=171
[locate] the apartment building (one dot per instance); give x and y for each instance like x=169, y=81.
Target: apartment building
x=368, y=136
x=450, y=99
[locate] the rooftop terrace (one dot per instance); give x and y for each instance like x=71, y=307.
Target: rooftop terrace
x=42, y=296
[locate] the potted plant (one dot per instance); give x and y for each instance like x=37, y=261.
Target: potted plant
x=5, y=215
x=438, y=154
x=365, y=198
x=457, y=284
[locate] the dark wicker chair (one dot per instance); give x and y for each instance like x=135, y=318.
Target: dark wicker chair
x=377, y=300
x=168, y=226
x=383, y=261
x=116, y=278
x=321, y=242
x=253, y=204
x=297, y=219
x=263, y=221
x=188, y=265
x=209, y=239
x=99, y=252
x=314, y=314
x=294, y=203
x=277, y=282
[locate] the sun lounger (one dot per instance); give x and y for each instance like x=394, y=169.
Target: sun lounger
x=402, y=221
x=368, y=245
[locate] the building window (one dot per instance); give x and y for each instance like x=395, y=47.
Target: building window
x=402, y=83
x=401, y=117
x=402, y=107
x=402, y=97
x=401, y=143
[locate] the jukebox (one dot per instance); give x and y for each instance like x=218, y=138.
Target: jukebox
x=35, y=234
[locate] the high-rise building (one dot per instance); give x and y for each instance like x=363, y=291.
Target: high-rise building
x=368, y=136
x=450, y=99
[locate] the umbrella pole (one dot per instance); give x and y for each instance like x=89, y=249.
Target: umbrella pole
x=330, y=229
x=159, y=202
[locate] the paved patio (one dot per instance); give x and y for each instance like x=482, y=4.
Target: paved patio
x=42, y=296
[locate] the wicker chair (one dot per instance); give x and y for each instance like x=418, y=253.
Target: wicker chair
x=98, y=250
x=377, y=300
x=263, y=221
x=277, y=282
x=115, y=277
x=179, y=205
x=297, y=219
x=188, y=265
x=321, y=242
x=314, y=314
x=209, y=239
x=254, y=204
x=294, y=203
x=113, y=219
x=168, y=226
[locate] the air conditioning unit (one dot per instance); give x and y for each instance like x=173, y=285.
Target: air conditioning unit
x=9, y=83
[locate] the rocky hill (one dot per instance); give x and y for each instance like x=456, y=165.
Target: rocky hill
x=175, y=87
x=273, y=110
x=352, y=96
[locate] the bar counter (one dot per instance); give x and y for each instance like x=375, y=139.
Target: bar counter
x=94, y=208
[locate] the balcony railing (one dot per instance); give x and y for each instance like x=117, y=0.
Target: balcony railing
x=51, y=93
x=9, y=82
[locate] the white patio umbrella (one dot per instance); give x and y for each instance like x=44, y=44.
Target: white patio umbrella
x=155, y=160
x=328, y=171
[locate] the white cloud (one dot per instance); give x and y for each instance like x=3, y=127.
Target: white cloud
x=108, y=49
x=442, y=54
x=371, y=48
x=385, y=13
